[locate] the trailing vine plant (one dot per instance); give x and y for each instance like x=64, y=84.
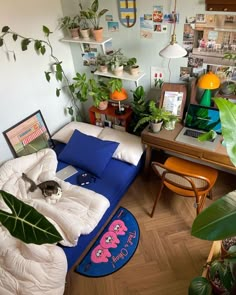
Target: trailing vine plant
x=41, y=47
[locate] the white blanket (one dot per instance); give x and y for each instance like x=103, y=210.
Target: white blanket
x=33, y=269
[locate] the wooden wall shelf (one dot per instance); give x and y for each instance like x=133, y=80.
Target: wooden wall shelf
x=219, y=5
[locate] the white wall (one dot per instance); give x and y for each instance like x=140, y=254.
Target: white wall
x=23, y=88
x=145, y=50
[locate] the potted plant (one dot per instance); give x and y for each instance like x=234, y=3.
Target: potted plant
x=103, y=62
x=117, y=62
x=72, y=23
x=155, y=117
x=84, y=87
x=133, y=67
x=217, y=222
x=100, y=94
x=140, y=108
x=93, y=15
x=170, y=121
x=84, y=25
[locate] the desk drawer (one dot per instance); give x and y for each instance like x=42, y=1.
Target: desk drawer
x=217, y=158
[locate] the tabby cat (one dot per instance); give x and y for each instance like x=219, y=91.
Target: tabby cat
x=50, y=189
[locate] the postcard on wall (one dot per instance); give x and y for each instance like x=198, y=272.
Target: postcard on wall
x=113, y=27
x=157, y=14
x=157, y=77
x=146, y=28
x=172, y=102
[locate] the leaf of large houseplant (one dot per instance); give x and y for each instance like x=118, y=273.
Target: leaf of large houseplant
x=228, y=122
x=200, y=286
x=217, y=221
x=26, y=223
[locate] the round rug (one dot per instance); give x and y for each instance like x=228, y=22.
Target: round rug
x=114, y=246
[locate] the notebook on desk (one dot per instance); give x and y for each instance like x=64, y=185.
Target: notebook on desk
x=198, y=120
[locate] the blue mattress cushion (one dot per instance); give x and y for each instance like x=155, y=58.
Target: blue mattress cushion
x=88, y=152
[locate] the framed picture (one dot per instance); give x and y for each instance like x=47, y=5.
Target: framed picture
x=28, y=136
x=173, y=98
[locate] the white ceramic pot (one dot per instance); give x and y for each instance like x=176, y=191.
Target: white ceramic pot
x=156, y=127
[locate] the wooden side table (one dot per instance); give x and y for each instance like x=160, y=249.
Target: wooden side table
x=109, y=117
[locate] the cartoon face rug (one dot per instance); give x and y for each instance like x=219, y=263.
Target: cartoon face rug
x=109, y=240
x=118, y=227
x=99, y=254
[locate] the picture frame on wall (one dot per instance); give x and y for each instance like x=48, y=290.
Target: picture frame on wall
x=173, y=98
x=29, y=135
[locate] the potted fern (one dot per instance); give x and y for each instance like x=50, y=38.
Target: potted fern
x=155, y=117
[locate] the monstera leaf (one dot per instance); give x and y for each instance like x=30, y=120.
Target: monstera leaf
x=217, y=221
x=26, y=223
x=228, y=122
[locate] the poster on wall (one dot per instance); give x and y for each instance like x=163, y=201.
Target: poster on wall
x=146, y=28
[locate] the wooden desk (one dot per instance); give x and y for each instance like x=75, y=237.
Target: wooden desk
x=165, y=140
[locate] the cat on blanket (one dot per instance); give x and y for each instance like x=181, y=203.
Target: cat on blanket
x=50, y=189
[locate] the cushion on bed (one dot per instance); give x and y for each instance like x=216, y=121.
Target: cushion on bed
x=88, y=152
x=65, y=133
x=130, y=148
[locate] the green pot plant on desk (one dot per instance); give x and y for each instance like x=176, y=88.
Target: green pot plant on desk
x=156, y=117
x=217, y=222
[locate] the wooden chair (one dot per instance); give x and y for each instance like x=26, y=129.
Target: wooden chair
x=185, y=178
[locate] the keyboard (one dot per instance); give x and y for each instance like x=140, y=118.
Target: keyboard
x=193, y=133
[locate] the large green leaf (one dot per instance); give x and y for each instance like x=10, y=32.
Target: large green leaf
x=200, y=286
x=228, y=122
x=217, y=221
x=26, y=223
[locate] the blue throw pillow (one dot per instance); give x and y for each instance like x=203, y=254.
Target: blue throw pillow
x=88, y=152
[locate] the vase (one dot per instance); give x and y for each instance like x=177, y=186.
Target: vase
x=74, y=33
x=170, y=125
x=134, y=70
x=156, y=127
x=118, y=71
x=98, y=34
x=85, y=33
x=103, y=105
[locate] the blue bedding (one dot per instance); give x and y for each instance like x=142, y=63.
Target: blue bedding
x=113, y=184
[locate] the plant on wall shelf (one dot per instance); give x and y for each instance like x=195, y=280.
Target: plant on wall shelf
x=93, y=15
x=56, y=69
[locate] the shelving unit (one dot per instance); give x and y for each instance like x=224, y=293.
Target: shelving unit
x=87, y=41
x=120, y=122
x=125, y=76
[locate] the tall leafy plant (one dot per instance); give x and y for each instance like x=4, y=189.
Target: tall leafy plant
x=26, y=223
x=42, y=47
x=217, y=222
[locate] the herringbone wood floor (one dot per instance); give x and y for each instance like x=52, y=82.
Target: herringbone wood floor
x=167, y=257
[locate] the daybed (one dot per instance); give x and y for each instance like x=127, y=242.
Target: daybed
x=113, y=159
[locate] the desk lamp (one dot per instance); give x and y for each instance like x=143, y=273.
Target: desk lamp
x=119, y=96
x=209, y=81
x=173, y=50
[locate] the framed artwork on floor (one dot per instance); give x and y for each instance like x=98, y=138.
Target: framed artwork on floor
x=29, y=135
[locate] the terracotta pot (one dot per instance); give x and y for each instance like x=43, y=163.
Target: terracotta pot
x=74, y=33
x=85, y=34
x=98, y=34
x=103, y=105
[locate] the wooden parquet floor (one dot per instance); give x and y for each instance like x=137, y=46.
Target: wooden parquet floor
x=167, y=257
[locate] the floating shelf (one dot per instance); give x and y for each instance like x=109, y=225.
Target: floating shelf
x=124, y=76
